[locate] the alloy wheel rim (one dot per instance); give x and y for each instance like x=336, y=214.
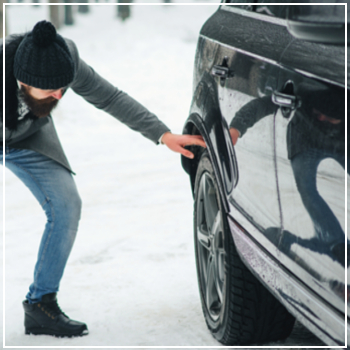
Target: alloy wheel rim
x=210, y=247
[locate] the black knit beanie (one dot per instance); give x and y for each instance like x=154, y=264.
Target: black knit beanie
x=43, y=59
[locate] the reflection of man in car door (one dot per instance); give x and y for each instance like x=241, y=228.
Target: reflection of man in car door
x=316, y=132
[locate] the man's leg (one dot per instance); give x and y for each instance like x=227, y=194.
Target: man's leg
x=327, y=227
x=54, y=188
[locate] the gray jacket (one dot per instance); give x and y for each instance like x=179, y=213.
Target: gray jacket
x=40, y=135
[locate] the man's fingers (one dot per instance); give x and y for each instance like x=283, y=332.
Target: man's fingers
x=234, y=135
x=177, y=143
x=197, y=137
x=193, y=140
x=187, y=154
x=184, y=152
x=198, y=143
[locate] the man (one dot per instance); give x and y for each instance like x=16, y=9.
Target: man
x=39, y=67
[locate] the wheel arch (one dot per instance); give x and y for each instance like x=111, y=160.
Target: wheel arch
x=205, y=119
x=196, y=126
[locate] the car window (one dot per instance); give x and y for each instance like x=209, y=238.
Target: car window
x=236, y=1
x=334, y=14
x=279, y=11
x=318, y=14
x=244, y=7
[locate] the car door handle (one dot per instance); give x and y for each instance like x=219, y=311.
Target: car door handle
x=222, y=70
x=285, y=100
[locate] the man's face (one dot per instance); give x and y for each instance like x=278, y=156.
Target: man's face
x=40, y=102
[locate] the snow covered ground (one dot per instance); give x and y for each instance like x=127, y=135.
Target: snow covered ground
x=131, y=276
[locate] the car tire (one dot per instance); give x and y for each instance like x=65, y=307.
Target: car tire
x=237, y=308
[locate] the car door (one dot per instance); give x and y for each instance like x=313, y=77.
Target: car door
x=245, y=104
x=310, y=160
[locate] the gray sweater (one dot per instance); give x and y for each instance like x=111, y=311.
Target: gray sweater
x=40, y=135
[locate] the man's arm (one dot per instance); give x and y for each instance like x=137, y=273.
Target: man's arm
x=249, y=115
x=103, y=95
x=177, y=143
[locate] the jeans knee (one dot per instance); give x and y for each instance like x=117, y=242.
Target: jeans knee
x=64, y=211
x=74, y=207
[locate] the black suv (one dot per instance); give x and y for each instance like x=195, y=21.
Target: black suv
x=269, y=191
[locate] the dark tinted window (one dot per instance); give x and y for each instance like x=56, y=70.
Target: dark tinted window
x=318, y=14
x=244, y=7
x=264, y=8
x=331, y=13
x=236, y=1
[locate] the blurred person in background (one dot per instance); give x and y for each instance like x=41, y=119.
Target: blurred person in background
x=39, y=68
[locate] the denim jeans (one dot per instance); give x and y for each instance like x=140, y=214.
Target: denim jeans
x=54, y=188
x=305, y=164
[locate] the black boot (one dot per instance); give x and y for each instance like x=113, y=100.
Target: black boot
x=46, y=317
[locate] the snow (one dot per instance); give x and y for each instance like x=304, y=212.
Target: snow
x=131, y=275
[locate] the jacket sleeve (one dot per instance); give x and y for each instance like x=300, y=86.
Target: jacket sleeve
x=251, y=113
x=103, y=95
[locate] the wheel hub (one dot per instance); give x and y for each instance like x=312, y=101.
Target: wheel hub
x=210, y=246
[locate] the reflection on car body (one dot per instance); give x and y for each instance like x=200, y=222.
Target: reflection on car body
x=312, y=136
x=273, y=204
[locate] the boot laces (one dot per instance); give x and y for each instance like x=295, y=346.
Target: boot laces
x=54, y=309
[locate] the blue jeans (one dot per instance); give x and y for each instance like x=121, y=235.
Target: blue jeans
x=305, y=164
x=54, y=188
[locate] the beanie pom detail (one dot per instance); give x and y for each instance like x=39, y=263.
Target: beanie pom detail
x=44, y=34
x=40, y=66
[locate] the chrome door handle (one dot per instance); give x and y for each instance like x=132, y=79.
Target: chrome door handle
x=285, y=100
x=222, y=70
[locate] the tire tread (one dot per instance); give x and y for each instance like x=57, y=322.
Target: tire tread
x=252, y=314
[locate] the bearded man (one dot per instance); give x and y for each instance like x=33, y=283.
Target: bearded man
x=39, y=68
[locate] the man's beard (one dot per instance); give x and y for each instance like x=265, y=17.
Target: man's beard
x=40, y=108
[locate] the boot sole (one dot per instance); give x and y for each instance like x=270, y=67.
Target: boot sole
x=41, y=331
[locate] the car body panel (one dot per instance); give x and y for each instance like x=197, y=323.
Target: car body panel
x=255, y=177
x=310, y=310
x=311, y=181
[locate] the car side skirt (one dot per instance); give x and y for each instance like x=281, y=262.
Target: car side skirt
x=299, y=300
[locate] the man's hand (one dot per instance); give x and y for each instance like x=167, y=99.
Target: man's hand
x=177, y=143
x=234, y=135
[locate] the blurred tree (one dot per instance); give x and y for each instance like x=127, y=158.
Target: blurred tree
x=83, y=8
x=123, y=11
x=56, y=14
x=2, y=19
x=1, y=22
x=68, y=13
